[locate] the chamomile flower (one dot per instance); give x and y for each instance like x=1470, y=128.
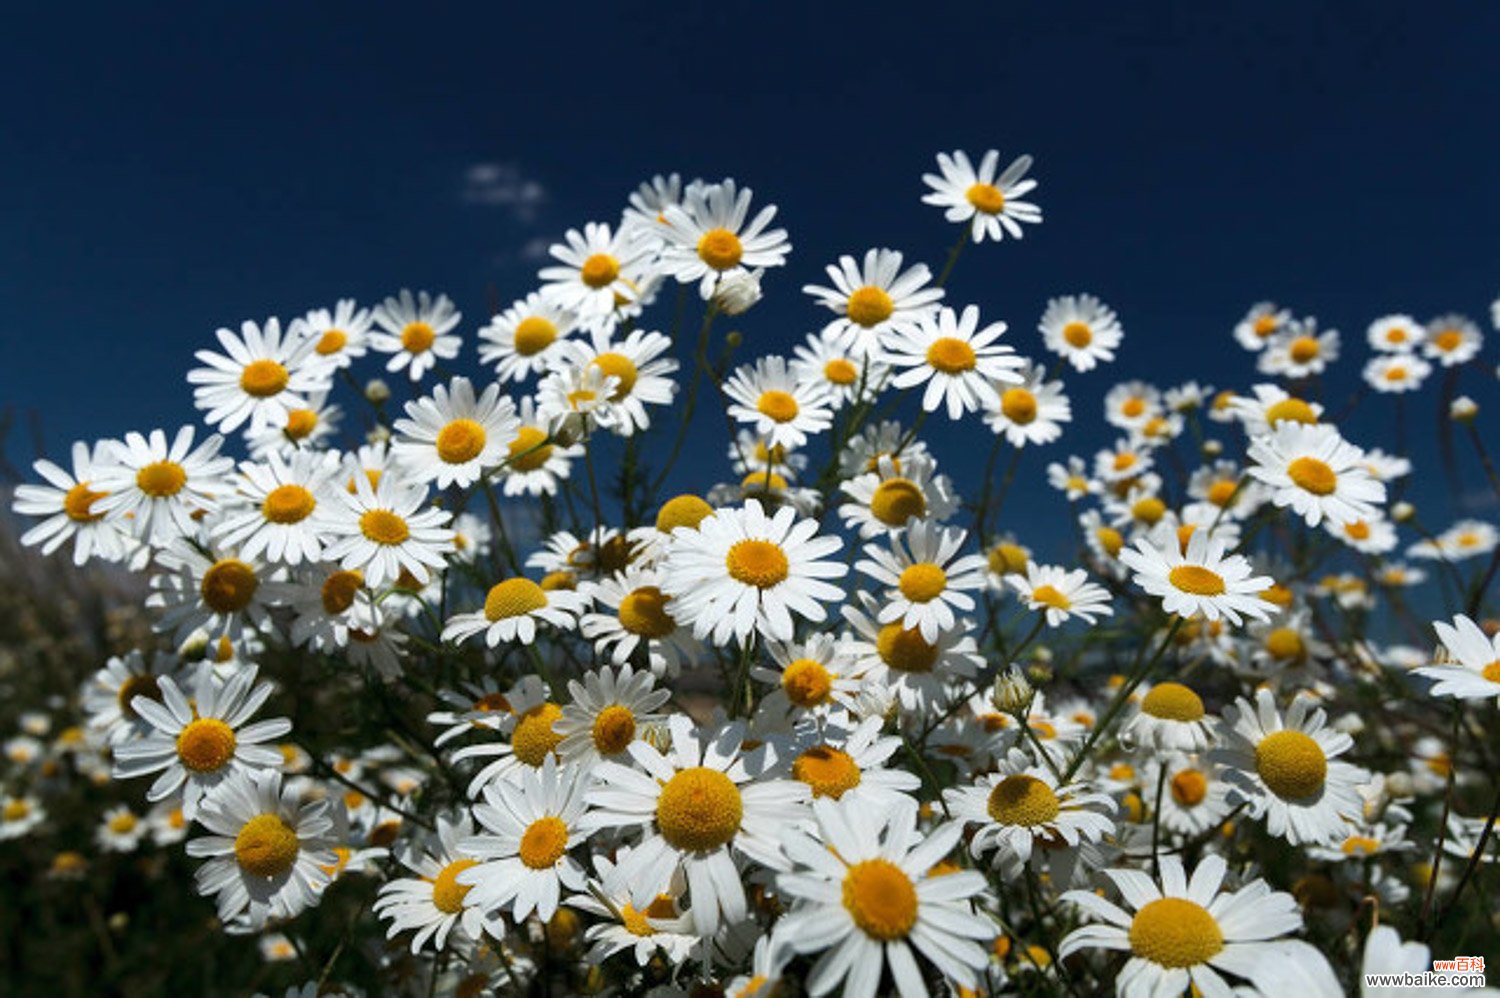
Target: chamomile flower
x=260, y=378
x=453, y=437
x=512, y=609
x=708, y=238
x=19, y=816
x=308, y=428
x=535, y=463
x=812, y=677
x=843, y=764
x=108, y=694
x=1185, y=932
x=639, y=369
x=1122, y=462
x=1301, y=351
x=742, y=571
x=416, y=332
x=960, y=363
x=1031, y=412
x=1131, y=404
x=867, y=897
x=383, y=529
x=699, y=804
x=1316, y=473
x=1288, y=770
x=874, y=299
x=597, y=271
x=531, y=736
x=1261, y=325
x=1452, y=340
x=1170, y=717
x=927, y=580
x=610, y=710
x=328, y=603
x=478, y=707
x=526, y=338
x=845, y=374
x=1199, y=582
x=120, y=830
x=219, y=591
x=1060, y=594
x=991, y=205
x=156, y=488
x=1396, y=374
x=1194, y=797
x=69, y=504
x=650, y=200
x=340, y=336
x=1072, y=479
x=886, y=439
x=1376, y=535
x=916, y=671
x=197, y=746
x=1465, y=539
x=1472, y=668
x=659, y=927
x=265, y=849
x=1081, y=329
x=575, y=398
x=286, y=511
x=781, y=408
x=890, y=498
x=639, y=614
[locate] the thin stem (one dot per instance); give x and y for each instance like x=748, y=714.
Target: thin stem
x=1122, y=698
x=953, y=254
x=1424, y=927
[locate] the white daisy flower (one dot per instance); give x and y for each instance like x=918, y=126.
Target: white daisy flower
x=199, y=745
x=845, y=374
x=1317, y=473
x=640, y=371
x=1060, y=594
x=598, y=271
x=452, y=438
x=812, y=677
x=742, y=571
x=433, y=902
x=328, y=603
x=156, y=488
x=1288, y=770
x=874, y=299
x=1472, y=669
x=1452, y=340
x=68, y=503
x=885, y=439
x=867, y=898
x=1169, y=717
x=1373, y=536
x=217, y=591
x=476, y=707
x=1261, y=324
x=379, y=646
x=1072, y=479
x=1396, y=334
x=120, y=830
x=604, y=553
x=701, y=803
x=659, y=927
x=526, y=338
x=1031, y=412
x=641, y=614
x=888, y=499
x=844, y=764
x=1081, y=329
x=265, y=849
x=308, y=428
x=1301, y=351
x=609, y=711
x=1395, y=374
x=1268, y=407
x=1386, y=954
x=1131, y=404
x=575, y=398
x=339, y=337
x=1199, y=582
x=19, y=816
x=960, y=363
x=261, y=380
x=1122, y=462
x=708, y=238
x=417, y=332
x=648, y=204
x=1465, y=539
x=1194, y=797
x=383, y=529
x=990, y=204
x=916, y=671
x=108, y=694
x=1188, y=397
x=288, y=508
x=781, y=408
x=1185, y=932
x=926, y=581
x=531, y=739
x=534, y=466
x=512, y=608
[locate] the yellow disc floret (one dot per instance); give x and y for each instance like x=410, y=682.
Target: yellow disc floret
x=544, y=842
x=1019, y=406
x=205, y=745
x=513, y=598
x=1197, y=580
x=682, y=511
x=951, y=355
x=79, y=501
x=447, y=893
x=460, y=441
x=288, y=504
x=622, y=369
x=417, y=337
x=897, y=500
x=699, y=809
x=1023, y=800
x=528, y=452
x=614, y=729
x=923, y=582
x=1312, y=475
x=720, y=249
x=881, y=899
x=229, y=585
x=757, y=563
x=161, y=479
x=383, y=527
x=533, y=335
x=806, y=683
x=904, y=649
x=263, y=378
x=1175, y=932
x=830, y=772
x=1172, y=702
x=986, y=198
x=870, y=306
x=1291, y=764
x=534, y=737
x=644, y=612
x=266, y=846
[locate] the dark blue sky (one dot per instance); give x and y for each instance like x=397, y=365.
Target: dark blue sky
x=164, y=174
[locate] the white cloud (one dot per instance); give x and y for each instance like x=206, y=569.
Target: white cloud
x=502, y=185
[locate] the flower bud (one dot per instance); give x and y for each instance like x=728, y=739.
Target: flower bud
x=1463, y=409
x=1012, y=693
x=1403, y=511
x=378, y=435
x=737, y=293
x=1212, y=448
x=377, y=391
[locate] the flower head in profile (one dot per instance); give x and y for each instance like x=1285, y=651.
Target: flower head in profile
x=68, y=507
x=1201, y=581
x=1472, y=667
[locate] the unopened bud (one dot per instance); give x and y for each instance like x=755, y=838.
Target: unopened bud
x=1463, y=409
x=1212, y=448
x=1012, y=693
x=1403, y=511
x=738, y=292
x=733, y=339
x=377, y=391
x=1399, y=785
x=378, y=435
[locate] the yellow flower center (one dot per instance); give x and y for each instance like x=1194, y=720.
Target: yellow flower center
x=599, y=271
x=1357, y=530
x=923, y=582
x=460, y=441
x=806, y=683
x=682, y=511
x=79, y=501
x=447, y=893
x=559, y=580
x=1303, y=349
x=1292, y=410
x=1284, y=643
x=1172, y=702
x=263, y=378
x=829, y=771
x=614, y=729
x=544, y=842
x=535, y=334
x=1265, y=325
x=527, y=452
x=699, y=809
x=1023, y=800
x=1005, y=558
x=339, y=589
x=534, y=738
x=905, y=650
x=161, y=479
x=870, y=306
x=986, y=198
x=1197, y=580
x=141, y=685
x=1133, y=407
x=1122, y=771
x=644, y=612
x=331, y=342
x=1189, y=787
x=288, y=504
x=300, y=423
x=1279, y=595
x=897, y=500
x=1448, y=340
x=1291, y=764
x=1491, y=672
x=622, y=369
x=1123, y=461
x=720, y=249
x=1360, y=845
x=418, y=337
x=1051, y=596
x=1019, y=406
x=778, y=405
x=1222, y=491
x=229, y=585
x=383, y=527
x=513, y=598
x=951, y=355
x=763, y=483
x=266, y=846
x=1149, y=510
x=123, y=823
x=1312, y=475
x=205, y=745
x=636, y=923
x=1078, y=335
x=881, y=899
x=761, y=564
x=1175, y=932
x=16, y=810
x=841, y=371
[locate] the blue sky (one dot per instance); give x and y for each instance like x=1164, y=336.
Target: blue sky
x=165, y=173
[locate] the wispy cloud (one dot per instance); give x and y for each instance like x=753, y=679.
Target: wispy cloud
x=502, y=185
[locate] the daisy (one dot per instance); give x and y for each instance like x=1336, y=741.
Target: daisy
x=960, y=363
x=477, y=706
x=380, y=645
x=659, y=927
x=597, y=272
x=917, y=672
x=742, y=571
x=1373, y=536
x=107, y=696
x=328, y=603
x=416, y=332
x=1452, y=340
x=308, y=428
x=68, y=502
x=1465, y=539
x=383, y=529
x=1188, y=397
x=453, y=437
x=1471, y=670
x=866, y=896
x=1081, y=329
x=1199, y=582
x=19, y=816
x=1396, y=334
x=812, y=677
x=156, y=488
x=575, y=398
x=265, y=849
x=885, y=439
x=1385, y=954
x=1122, y=462
x=1288, y=770
x=262, y=379
x=888, y=499
x=640, y=371
x=287, y=512
x=1031, y=412
x=875, y=299
x=217, y=591
x=845, y=374
x=641, y=615
x=844, y=764
x=926, y=581
x=512, y=608
x=526, y=338
x=782, y=409
x=1185, y=932
x=1131, y=404
x=528, y=828
x=532, y=736
x=339, y=337
x=120, y=830
x=708, y=238
x=610, y=710
x=1061, y=594
x=1169, y=717
x=1261, y=324
x=649, y=201
x=199, y=744
x=1396, y=373
x=535, y=463
x=1301, y=351
x=1194, y=798
x=1317, y=473
x=699, y=804
x=1072, y=479
x=604, y=553
x=990, y=204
